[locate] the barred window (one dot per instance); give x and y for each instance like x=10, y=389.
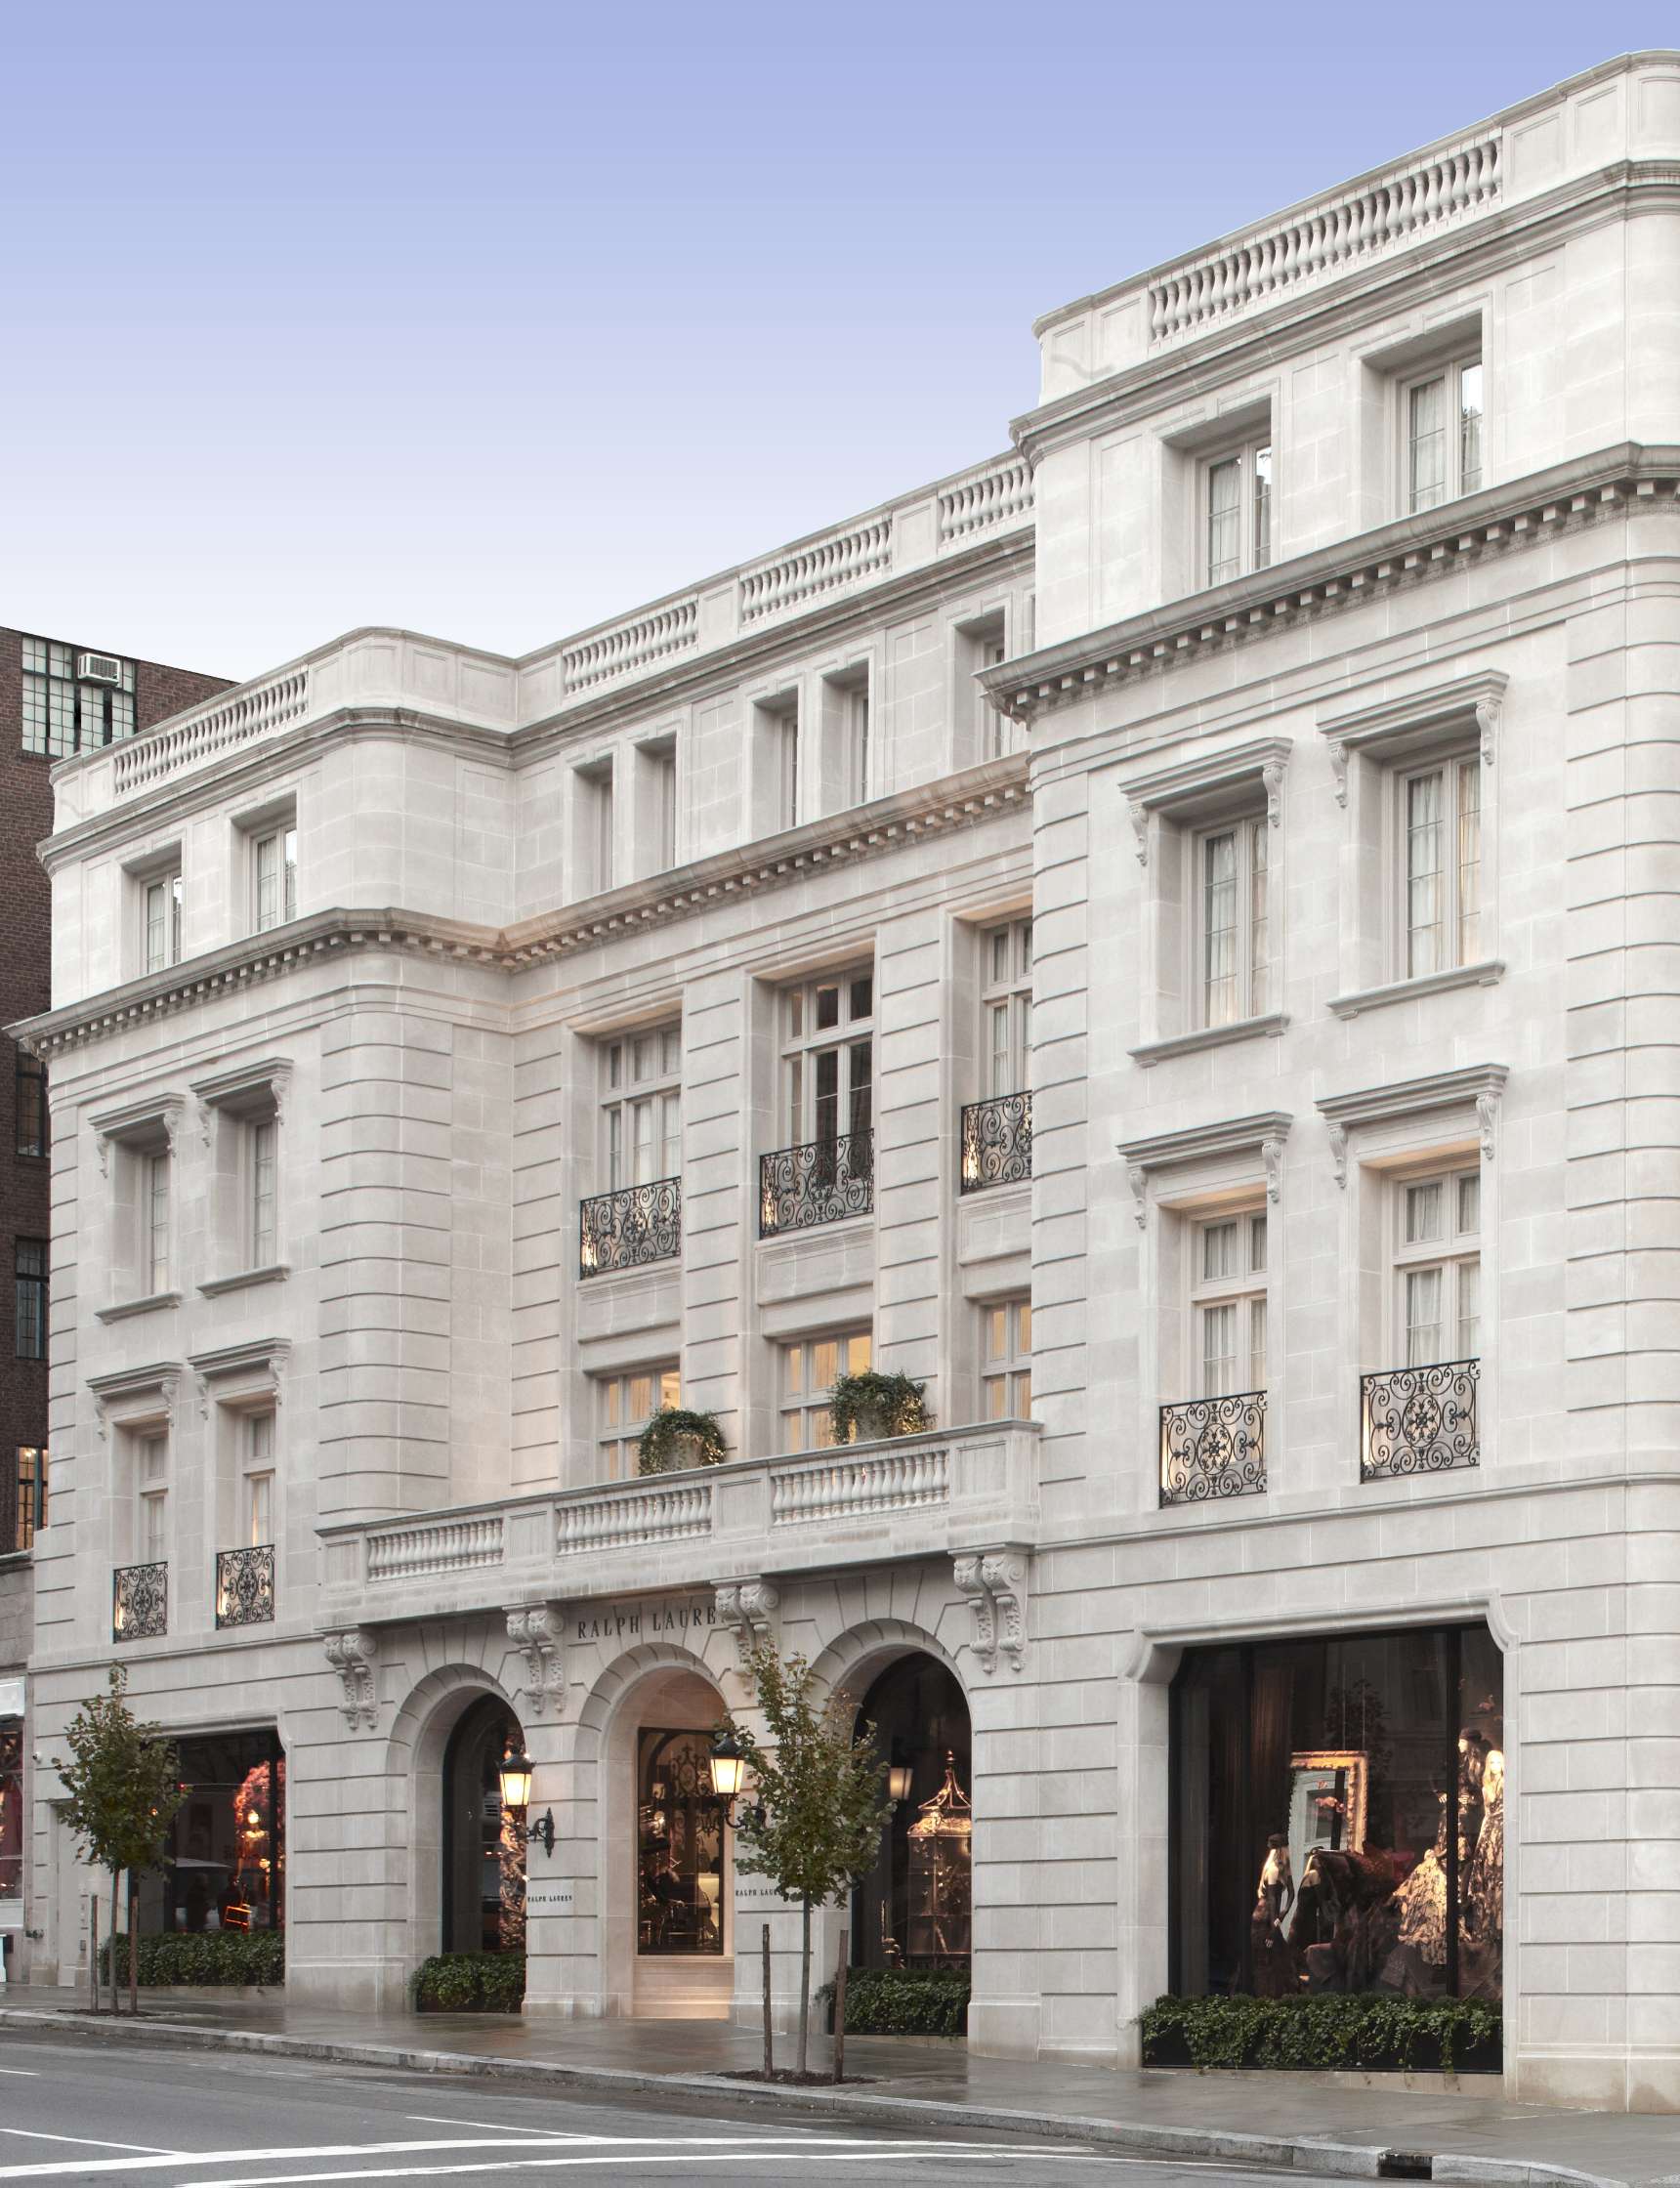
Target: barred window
x=65, y=713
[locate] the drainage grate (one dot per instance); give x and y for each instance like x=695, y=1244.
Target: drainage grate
x=1405, y=2164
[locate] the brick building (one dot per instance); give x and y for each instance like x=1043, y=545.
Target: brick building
x=57, y=699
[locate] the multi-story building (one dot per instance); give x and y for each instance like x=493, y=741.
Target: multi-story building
x=55, y=701
x=1220, y=1040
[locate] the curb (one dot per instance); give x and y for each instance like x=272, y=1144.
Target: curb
x=1304, y=2154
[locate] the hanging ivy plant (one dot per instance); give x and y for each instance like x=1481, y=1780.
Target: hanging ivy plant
x=675, y=1439
x=868, y=1405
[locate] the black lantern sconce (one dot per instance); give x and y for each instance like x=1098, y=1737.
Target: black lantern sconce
x=515, y=1773
x=729, y=1777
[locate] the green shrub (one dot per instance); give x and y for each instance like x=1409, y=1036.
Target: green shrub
x=224, y=1959
x=1326, y=2031
x=870, y=1404
x=658, y=1448
x=469, y=1983
x=900, y=2002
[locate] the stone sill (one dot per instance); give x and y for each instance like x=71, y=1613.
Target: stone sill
x=276, y=1272
x=1271, y=1022
x=1482, y=975
x=154, y=1302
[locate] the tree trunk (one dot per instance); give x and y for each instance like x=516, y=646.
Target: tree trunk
x=769, y=2045
x=112, y=1948
x=804, y=1982
x=133, y=1951
x=94, y=1948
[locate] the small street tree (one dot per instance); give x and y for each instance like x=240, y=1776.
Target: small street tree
x=820, y=1790
x=123, y=1794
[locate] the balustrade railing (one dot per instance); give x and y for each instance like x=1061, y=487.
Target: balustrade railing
x=996, y=1142
x=441, y=1546
x=643, y=1515
x=139, y=1602
x=836, y=1487
x=631, y=1227
x=823, y=1182
x=256, y=710
x=1213, y=1447
x=971, y=506
x=805, y=573
x=1418, y=1420
x=626, y=646
x=245, y=1587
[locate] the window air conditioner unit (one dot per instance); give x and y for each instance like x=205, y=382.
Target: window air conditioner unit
x=99, y=668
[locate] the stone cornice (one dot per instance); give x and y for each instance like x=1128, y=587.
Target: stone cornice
x=955, y=802
x=1413, y=550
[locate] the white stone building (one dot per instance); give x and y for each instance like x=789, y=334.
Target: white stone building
x=1272, y=769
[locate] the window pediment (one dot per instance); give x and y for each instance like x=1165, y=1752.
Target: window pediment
x=1261, y=1135
x=1475, y=1087
x=1201, y=788
x=1464, y=709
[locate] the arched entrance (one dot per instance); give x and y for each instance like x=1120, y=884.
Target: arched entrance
x=483, y=1845
x=914, y=1908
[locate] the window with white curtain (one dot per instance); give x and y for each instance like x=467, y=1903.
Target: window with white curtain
x=1237, y=512
x=1442, y=414
x=262, y=1154
x=1233, y=921
x=1006, y=1007
x=274, y=865
x=827, y=1058
x=641, y=1107
x=151, y=1483
x=156, y=1224
x=1228, y=1303
x=259, y=1481
x=1439, y=818
x=160, y=913
x=1438, y=1267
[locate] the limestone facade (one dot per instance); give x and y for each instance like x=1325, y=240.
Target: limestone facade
x=1236, y=581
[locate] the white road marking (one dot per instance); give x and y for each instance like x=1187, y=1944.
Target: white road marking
x=870, y=2155
x=497, y=2127
x=29, y=2071
x=90, y=2142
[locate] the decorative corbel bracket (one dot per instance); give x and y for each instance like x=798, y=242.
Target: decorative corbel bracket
x=1137, y=813
x=1338, y=1139
x=535, y=1629
x=354, y=1654
x=1339, y=769
x=750, y=1608
x=1487, y=725
x=135, y=1393
x=1272, y=1156
x=995, y=1585
x=1138, y=1178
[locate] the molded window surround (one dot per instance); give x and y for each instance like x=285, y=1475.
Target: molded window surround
x=240, y=1117
x=1417, y=779
x=1219, y=510
x=140, y=1148
x=1208, y=835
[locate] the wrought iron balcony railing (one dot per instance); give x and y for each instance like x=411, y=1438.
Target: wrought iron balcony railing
x=825, y=1182
x=997, y=1142
x=245, y=1587
x=139, y=1602
x=1213, y=1447
x=630, y=1228
x=1418, y=1420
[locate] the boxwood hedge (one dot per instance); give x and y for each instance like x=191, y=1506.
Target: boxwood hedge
x=469, y=1983
x=1325, y=2032
x=900, y=2002
x=220, y=1958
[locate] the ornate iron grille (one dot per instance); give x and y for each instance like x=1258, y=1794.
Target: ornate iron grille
x=997, y=1142
x=245, y=1587
x=630, y=1228
x=1213, y=1446
x=1418, y=1420
x=139, y=1602
x=800, y=1187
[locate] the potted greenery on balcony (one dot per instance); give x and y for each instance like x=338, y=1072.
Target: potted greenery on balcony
x=676, y=1439
x=866, y=1407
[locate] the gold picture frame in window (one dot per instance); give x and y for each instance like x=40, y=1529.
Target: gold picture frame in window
x=1319, y=1775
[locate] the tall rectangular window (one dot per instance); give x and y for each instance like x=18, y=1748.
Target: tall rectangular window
x=30, y=1508
x=1233, y=921
x=827, y=1058
x=1437, y=1266
x=1444, y=435
x=156, y=1224
x=624, y=1406
x=276, y=872
x=787, y=768
x=74, y=701
x=1228, y=1304
x=31, y=1107
x=1238, y=513
x=810, y=1371
x=857, y=743
x=30, y=1298
x=1006, y=1359
x=261, y=1150
x=1006, y=1007
x=641, y=1107
x=1441, y=825
x=161, y=914
x=259, y=1483
x=665, y=807
x=151, y=1481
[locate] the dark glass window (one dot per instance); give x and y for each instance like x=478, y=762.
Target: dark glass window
x=11, y=1808
x=32, y=1299
x=1338, y=1816
x=914, y=1908
x=483, y=1842
x=225, y=1860
x=66, y=711
x=31, y=1104
x=679, y=1846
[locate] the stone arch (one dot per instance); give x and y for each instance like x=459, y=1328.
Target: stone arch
x=856, y=1657
x=415, y=1747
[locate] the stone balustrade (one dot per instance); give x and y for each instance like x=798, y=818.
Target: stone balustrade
x=628, y=646
x=903, y=1497
x=805, y=574
x=982, y=500
x=259, y=709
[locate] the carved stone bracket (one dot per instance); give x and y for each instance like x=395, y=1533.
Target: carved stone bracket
x=1137, y=813
x=749, y=1605
x=1487, y=724
x=994, y=1583
x=534, y=1630
x=352, y=1656
x=1487, y=1116
x=1339, y=769
x=1338, y=1138
x=1138, y=1178
x=1272, y=1156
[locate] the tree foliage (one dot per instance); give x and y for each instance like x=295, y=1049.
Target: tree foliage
x=821, y=1788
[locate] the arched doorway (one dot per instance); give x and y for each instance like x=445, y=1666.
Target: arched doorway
x=483, y=1845
x=914, y=1908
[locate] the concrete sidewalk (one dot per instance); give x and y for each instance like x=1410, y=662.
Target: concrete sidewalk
x=1324, y=2126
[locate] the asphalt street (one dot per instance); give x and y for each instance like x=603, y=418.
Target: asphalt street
x=108, y=2113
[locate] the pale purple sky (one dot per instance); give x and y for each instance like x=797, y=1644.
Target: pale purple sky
x=494, y=320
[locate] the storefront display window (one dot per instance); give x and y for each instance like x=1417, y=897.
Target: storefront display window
x=679, y=1846
x=11, y=1809
x=1338, y=1816
x=484, y=1844
x=914, y=1908
x=225, y=1860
